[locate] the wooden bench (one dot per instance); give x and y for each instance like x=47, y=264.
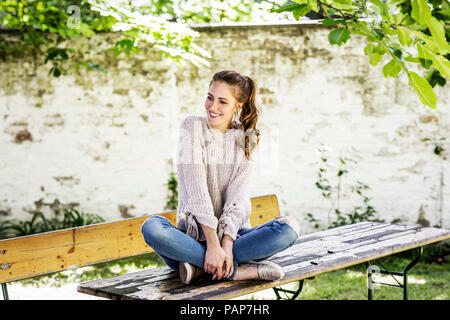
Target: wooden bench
x=311, y=255
x=50, y=252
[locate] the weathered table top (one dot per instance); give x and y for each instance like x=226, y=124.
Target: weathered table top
x=311, y=255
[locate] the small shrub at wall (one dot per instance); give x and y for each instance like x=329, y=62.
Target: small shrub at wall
x=67, y=218
x=333, y=191
x=172, y=185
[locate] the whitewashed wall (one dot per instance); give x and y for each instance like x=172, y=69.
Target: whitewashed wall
x=107, y=142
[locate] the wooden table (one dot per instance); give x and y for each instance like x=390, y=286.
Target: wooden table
x=311, y=255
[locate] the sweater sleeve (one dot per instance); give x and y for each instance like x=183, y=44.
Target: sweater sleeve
x=237, y=207
x=191, y=170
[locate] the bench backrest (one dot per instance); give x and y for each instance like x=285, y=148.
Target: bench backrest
x=49, y=252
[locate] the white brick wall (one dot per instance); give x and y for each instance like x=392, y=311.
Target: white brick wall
x=107, y=141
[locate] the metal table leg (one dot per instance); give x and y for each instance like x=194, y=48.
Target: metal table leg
x=371, y=268
x=5, y=292
x=294, y=294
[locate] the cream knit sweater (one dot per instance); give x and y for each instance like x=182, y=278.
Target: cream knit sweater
x=213, y=179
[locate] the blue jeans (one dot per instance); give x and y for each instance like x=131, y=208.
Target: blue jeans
x=258, y=243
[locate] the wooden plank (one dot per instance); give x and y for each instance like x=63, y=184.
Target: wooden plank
x=29, y=256
x=33, y=255
x=162, y=283
x=264, y=208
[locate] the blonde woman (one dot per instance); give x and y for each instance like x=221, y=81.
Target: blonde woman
x=213, y=232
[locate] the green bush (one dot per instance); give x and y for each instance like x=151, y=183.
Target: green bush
x=38, y=223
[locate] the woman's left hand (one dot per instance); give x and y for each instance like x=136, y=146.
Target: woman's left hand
x=228, y=265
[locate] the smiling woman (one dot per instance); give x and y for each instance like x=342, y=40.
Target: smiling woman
x=213, y=232
x=231, y=93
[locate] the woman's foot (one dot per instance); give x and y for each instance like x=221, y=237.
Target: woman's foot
x=262, y=270
x=189, y=272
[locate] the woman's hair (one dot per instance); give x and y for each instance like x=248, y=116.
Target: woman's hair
x=244, y=91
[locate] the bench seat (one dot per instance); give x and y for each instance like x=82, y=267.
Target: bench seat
x=311, y=255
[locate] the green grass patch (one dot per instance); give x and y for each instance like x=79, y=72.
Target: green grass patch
x=426, y=281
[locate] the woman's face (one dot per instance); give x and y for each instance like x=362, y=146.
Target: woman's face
x=220, y=105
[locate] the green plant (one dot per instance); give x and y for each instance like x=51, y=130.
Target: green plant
x=311, y=219
x=45, y=25
x=359, y=213
x=172, y=184
x=335, y=193
x=48, y=27
x=398, y=28
x=38, y=223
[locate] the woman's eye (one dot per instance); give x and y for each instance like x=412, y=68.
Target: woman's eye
x=211, y=98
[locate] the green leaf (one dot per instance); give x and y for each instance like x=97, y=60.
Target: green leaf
x=392, y=68
x=434, y=78
x=378, y=34
x=442, y=64
x=313, y=5
x=438, y=35
x=412, y=59
x=86, y=30
x=420, y=11
x=425, y=55
x=396, y=51
x=361, y=28
x=289, y=7
x=423, y=89
x=301, y=10
x=428, y=40
x=403, y=36
x=374, y=52
x=444, y=12
x=339, y=36
x=56, y=72
x=342, y=4
x=381, y=8
x=63, y=54
x=332, y=22
x=386, y=27
x=402, y=18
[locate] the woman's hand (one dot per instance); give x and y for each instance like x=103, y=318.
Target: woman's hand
x=215, y=255
x=227, y=246
x=214, y=261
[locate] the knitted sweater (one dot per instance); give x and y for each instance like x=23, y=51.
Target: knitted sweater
x=213, y=179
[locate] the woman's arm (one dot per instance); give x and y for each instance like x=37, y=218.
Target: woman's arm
x=227, y=246
x=215, y=255
x=237, y=207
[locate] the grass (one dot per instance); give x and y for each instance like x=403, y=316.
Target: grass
x=427, y=280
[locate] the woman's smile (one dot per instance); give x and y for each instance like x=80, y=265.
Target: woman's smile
x=214, y=115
